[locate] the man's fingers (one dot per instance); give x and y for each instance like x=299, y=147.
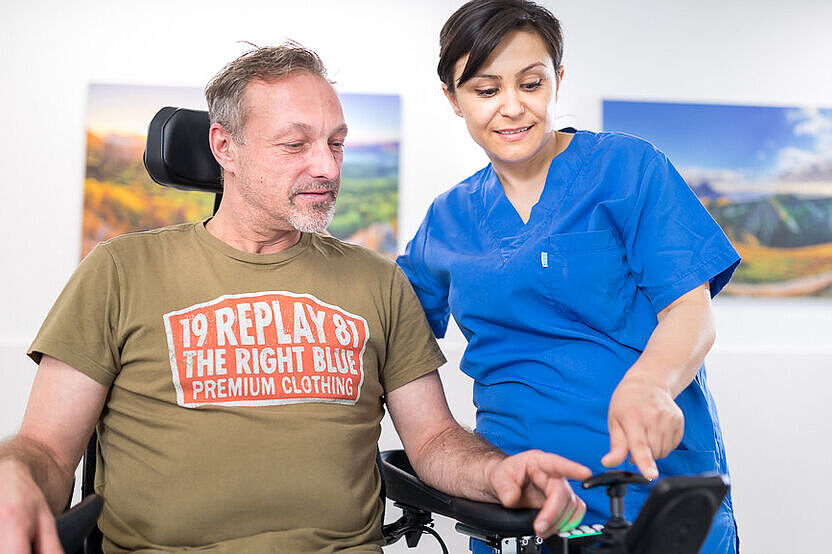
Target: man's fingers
x=573, y=517
x=13, y=536
x=508, y=481
x=560, y=510
x=20, y=532
x=46, y=535
x=552, y=512
x=618, y=446
x=26, y=522
x=558, y=466
x=577, y=517
x=15, y=544
x=535, y=478
x=567, y=514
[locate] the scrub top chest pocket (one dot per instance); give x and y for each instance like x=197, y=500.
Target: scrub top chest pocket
x=587, y=278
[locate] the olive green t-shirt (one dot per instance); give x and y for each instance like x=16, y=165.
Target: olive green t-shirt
x=246, y=389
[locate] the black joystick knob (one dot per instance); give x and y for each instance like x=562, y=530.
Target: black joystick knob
x=616, y=482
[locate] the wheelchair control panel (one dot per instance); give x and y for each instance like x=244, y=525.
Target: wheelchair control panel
x=675, y=518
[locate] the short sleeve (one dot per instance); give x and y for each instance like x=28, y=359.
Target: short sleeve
x=673, y=244
x=431, y=291
x=81, y=328
x=412, y=350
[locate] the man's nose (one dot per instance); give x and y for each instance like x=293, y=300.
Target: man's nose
x=325, y=162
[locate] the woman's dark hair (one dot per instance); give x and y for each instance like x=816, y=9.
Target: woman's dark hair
x=478, y=27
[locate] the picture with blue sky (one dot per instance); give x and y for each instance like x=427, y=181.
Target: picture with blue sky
x=764, y=173
x=119, y=196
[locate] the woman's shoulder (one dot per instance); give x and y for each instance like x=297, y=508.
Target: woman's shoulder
x=460, y=194
x=617, y=144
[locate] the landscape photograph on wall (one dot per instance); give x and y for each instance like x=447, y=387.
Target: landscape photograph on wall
x=765, y=175
x=120, y=197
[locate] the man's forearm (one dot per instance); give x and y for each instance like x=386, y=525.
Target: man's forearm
x=458, y=462
x=54, y=481
x=464, y=464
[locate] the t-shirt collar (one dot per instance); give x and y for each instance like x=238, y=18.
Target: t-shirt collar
x=261, y=259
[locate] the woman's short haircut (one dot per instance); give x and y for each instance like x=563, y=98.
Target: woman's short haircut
x=478, y=27
x=225, y=93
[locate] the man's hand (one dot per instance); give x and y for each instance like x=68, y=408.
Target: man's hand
x=26, y=522
x=645, y=422
x=37, y=465
x=461, y=463
x=535, y=479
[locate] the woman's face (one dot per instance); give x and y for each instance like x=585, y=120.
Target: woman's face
x=509, y=104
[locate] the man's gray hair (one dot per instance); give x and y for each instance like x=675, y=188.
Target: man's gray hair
x=225, y=92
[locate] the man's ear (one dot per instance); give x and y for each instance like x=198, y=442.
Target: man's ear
x=452, y=99
x=222, y=146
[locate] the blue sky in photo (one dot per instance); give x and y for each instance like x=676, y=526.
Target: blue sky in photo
x=757, y=142
x=128, y=109
x=372, y=118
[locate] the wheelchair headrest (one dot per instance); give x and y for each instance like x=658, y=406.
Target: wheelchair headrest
x=177, y=153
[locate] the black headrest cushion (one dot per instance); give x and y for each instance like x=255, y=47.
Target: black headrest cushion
x=177, y=153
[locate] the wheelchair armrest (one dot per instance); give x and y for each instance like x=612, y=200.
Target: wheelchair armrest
x=404, y=487
x=75, y=524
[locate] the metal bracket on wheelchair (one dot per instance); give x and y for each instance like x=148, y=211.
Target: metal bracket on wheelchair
x=503, y=545
x=409, y=526
x=519, y=545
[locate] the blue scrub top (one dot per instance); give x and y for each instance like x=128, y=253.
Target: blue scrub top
x=557, y=309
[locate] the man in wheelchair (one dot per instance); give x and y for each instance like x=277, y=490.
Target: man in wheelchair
x=237, y=369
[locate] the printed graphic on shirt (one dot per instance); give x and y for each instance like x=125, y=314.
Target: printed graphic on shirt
x=265, y=348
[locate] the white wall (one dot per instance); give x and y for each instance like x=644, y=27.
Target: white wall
x=770, y=369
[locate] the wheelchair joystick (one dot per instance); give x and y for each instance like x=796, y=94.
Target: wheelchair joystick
x=616, y=527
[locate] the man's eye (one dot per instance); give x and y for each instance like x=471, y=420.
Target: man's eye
x=336, y=145
x=486, y=92
x=532, y=86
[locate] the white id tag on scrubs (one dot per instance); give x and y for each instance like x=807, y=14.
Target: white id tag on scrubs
x=544, y=259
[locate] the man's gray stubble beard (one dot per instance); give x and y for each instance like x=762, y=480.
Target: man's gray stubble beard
x=315, y=219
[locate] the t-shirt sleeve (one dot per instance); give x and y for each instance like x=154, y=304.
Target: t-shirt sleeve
x=412, y=350
x=81, y=328
x=431, y=291
x=673, y=244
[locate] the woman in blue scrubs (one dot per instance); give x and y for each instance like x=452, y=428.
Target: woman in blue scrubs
x=580, y=268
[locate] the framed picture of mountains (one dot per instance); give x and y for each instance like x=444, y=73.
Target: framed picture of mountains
x=764, y=174
x=119, y=196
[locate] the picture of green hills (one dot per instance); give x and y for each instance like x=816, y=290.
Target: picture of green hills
x=119, y=196
x=764, y=174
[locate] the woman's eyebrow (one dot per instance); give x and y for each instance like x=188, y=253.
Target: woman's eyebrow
x=486, y=76
x=529, y=67
x=497, y=77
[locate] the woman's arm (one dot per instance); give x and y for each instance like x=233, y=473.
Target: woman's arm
x=643, y=418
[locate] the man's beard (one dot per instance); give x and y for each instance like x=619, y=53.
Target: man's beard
x=317, y=216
